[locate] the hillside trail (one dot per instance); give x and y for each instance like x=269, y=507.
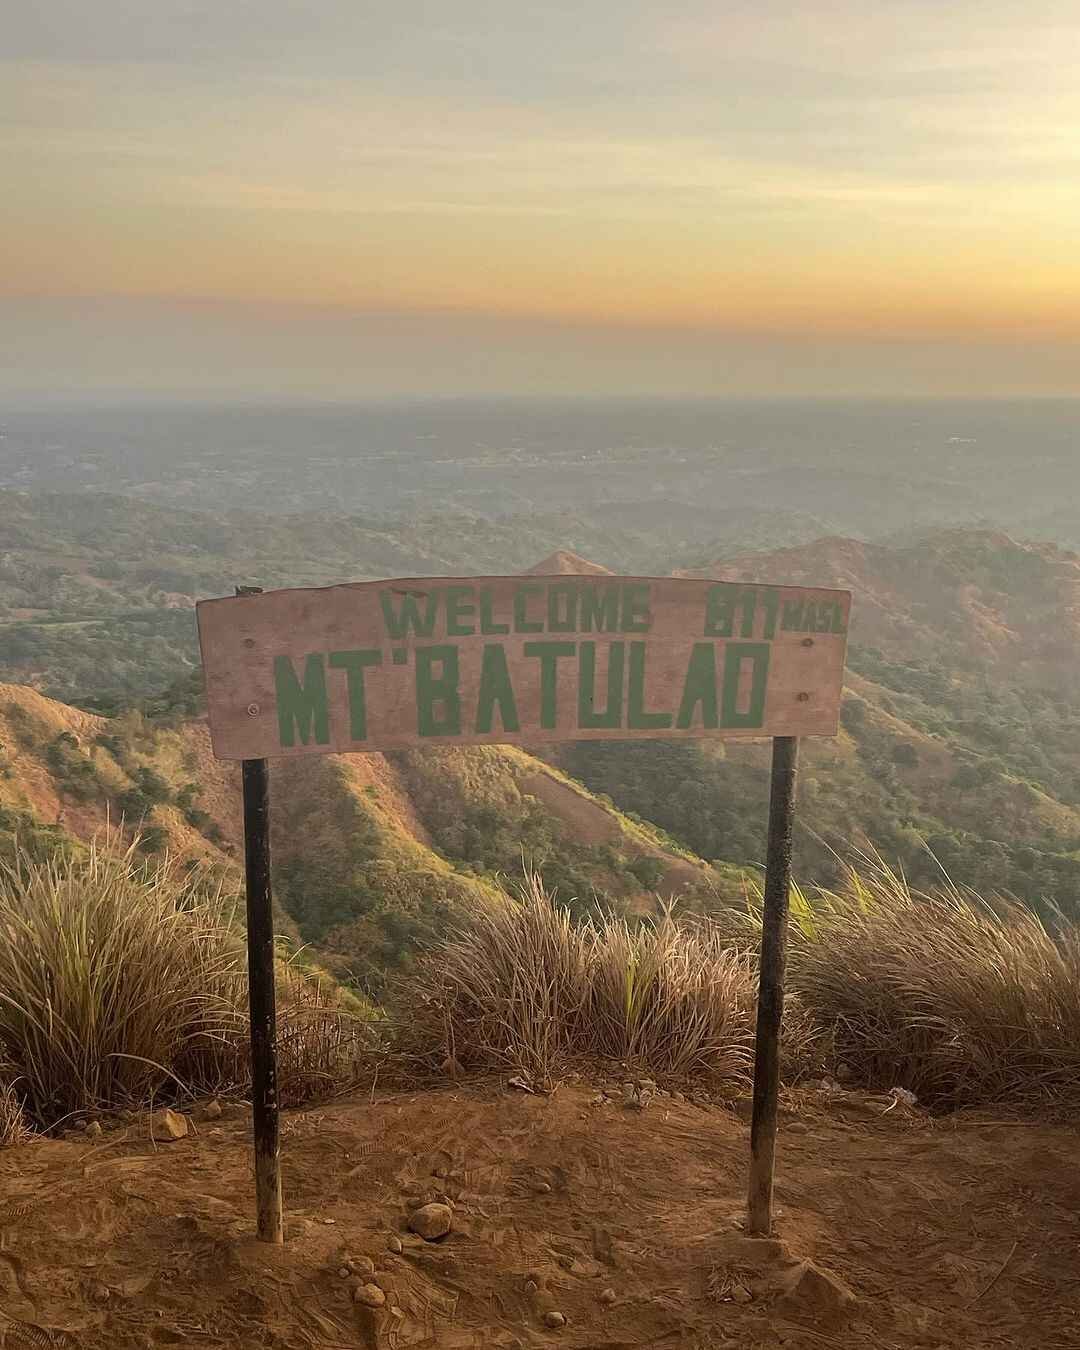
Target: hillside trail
x=962, y=1233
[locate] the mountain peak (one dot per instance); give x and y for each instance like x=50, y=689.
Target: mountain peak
x=564, y=563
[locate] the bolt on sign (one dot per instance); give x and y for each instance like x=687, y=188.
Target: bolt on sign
x=374, y=665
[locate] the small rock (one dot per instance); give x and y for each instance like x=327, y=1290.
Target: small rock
x=212, y=1110
x=93, y=1129
x=647, y=1084
x=554, y=1319
x=167, y=1126
x=432, y=1221
x=542, y=1187
x=843, y=1072
x=370, y=1295
x=344, y=1272
x=678, y=1096
x=608, y=1296
x=797, y=1127
x=393, y=1244
x=604, y=1247
x=530, y=1288
x=100, y=1293
x=361, y=1265
x=812, y=1292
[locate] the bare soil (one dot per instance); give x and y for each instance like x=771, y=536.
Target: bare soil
x=962, y=1233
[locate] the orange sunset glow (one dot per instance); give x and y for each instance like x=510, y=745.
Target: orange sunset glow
x=863, y=176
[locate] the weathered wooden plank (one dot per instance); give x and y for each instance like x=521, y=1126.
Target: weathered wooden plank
x=374, y=665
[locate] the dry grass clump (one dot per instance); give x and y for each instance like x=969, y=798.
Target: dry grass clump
x=962, y=1001
x=524, y=988
x=327, y=1041
x=115, y=979
x=508, y=991
x=14, y=1128
x=122, y=981
x=676, y=998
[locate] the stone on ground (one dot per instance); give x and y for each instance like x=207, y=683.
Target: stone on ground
x=370, y=1295
x=431, y=1221
x=167, y=1126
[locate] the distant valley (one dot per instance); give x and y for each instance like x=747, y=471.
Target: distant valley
x=960, y=739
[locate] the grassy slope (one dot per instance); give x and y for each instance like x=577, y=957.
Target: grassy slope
x=373, y=854
x=959, y=729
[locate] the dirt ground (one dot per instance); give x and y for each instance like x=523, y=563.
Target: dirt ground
x=959, y=1234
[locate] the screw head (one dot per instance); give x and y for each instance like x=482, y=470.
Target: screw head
x=253, y=710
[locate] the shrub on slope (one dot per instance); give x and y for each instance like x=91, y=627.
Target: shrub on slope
x=120, y=981
x=523, y=987
x=113, y=979
x=962, y=1001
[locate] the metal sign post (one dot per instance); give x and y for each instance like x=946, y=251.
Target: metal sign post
x=262, y=1001
x=770, y=1013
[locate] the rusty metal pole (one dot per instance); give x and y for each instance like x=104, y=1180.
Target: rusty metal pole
x=770, y=1013
x=262, y=1000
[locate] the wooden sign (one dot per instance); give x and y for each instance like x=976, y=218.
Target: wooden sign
x=374, y=665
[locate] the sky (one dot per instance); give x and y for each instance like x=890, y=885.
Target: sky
x=343, y=198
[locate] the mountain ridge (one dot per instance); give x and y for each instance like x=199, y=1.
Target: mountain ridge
x=961, y=732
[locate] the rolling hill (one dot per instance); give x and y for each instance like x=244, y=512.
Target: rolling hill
x=974, y=601
x=97, y=591
x=961, y=726
x=961, y=722
x=374, y=854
